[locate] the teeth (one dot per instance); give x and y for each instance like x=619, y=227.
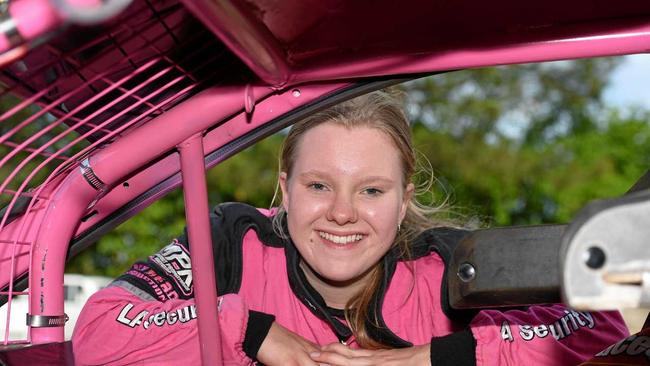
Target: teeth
x=340, y=239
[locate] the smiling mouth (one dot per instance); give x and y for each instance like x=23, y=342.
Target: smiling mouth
x=341, y=240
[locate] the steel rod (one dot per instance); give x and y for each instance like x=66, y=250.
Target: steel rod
x=197, y=214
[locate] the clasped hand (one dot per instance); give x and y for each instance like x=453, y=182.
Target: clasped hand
x=281, y=347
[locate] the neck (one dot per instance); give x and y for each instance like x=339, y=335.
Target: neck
x=336, y=294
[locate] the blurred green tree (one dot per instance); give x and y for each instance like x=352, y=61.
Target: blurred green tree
x=526, y=144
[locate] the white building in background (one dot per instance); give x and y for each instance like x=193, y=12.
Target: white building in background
x=76, y=290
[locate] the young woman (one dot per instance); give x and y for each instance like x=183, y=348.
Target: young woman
x=348, y=271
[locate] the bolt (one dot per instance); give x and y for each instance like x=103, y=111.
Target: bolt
x=594, y=258
x=466, y=272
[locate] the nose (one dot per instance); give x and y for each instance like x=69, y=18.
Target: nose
x=342, y=210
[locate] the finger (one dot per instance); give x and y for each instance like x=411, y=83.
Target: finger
x=338, y=359
x=311, y=347
x=347, y=351
x=337, y=347
x=308, y=361
x=329, y=358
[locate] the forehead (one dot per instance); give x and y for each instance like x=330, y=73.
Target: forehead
x=344, y=150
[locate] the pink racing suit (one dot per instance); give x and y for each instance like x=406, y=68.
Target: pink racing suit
x=147, y=316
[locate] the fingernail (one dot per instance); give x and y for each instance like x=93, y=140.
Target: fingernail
x=314, y=354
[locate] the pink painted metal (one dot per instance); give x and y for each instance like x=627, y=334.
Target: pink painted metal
x=316, y=40
x=599, y=42
x=195, y=192
x=111, y=165
x=67, y=204
x=169, y=129
x=44, y=284
x=49, y=334
x=56, y=155
x=249, y=40
x=17, y=256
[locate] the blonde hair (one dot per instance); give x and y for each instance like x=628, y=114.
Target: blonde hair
x=382, y=110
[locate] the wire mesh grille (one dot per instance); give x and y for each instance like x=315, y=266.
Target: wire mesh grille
x=83, y=89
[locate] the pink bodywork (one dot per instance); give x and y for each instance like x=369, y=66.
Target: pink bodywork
x=298, y=51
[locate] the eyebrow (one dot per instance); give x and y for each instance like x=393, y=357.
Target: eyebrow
x=313, y=174
x=324, y=175
x=376, y=178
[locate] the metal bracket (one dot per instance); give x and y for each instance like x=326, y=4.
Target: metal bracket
x=249, y=99
x=46, y=321
x=606, y=256
x=91, y=177
x=507, y=266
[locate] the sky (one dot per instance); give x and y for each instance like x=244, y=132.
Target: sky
x=630, y=83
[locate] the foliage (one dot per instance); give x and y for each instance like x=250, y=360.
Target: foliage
x=503, y=185
x=531, y=103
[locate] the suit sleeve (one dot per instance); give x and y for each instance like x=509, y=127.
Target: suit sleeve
x=148, y=313
x=117, y=327
x=539, y=335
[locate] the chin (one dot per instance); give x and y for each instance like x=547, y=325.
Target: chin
x=338, y=277
x=341, y=277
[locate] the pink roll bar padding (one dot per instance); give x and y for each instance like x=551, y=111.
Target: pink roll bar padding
x=245, y=36
x=197, y=215
x=18, y=251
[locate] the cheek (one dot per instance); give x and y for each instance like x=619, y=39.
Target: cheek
x=304, y=208
x=383, y=216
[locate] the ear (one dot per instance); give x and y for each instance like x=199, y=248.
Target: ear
x=284, y=182
x=408, y=194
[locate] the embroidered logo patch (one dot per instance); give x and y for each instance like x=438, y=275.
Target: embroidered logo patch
x=175, y=260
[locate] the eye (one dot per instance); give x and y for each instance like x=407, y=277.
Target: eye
x=372, y=191
x=317, y=186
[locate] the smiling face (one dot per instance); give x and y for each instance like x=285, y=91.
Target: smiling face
x=344, y=199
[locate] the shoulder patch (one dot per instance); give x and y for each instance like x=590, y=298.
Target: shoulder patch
x=175, y=261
